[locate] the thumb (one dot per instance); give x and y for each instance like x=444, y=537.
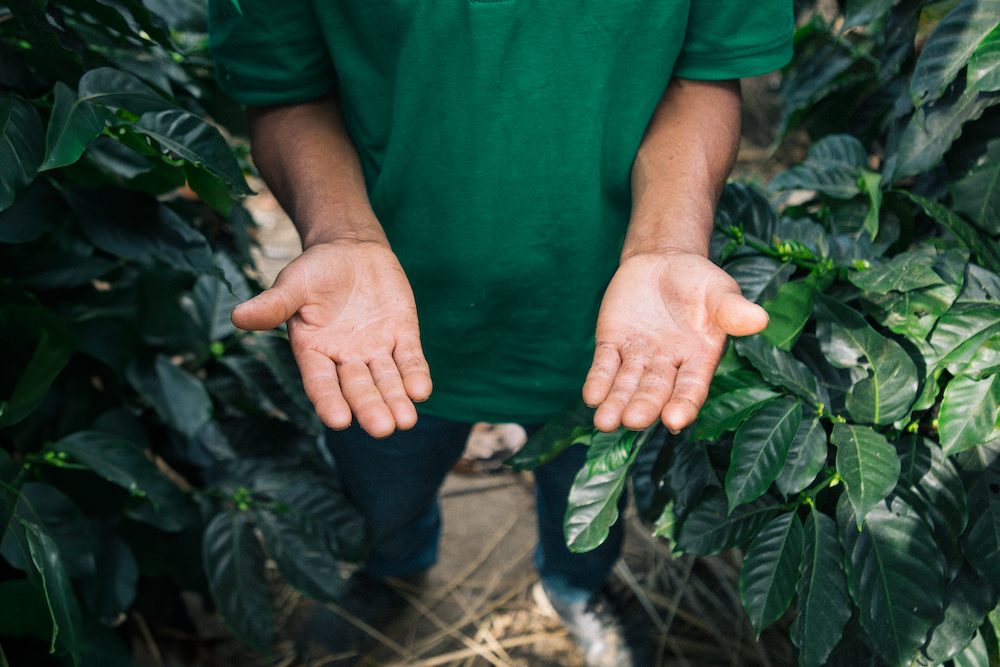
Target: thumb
x=271, y=307
x=737, y=316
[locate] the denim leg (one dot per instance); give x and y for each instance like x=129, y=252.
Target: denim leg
x=572, y=577
x=394, y=483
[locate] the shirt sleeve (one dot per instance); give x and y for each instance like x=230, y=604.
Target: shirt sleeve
x=269, y=53
x=729, y=39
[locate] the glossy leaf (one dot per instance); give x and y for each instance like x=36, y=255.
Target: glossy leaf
x=868, y=465
x=981, y=289
x=847, y=340
x=950, y=46
x=865, y=12
x=759, y=277
x=981, y=540
x=215, y=304
x=761, y=449
x=609, y=451
x=806, y=456
x=984, y=248
x=959, y=335
x=976, y=195
x=234, y=563
x=553, y=438
x=788, y=312
x=979, y=653
x=968, y=413
x=780, y=368
x=744, y=207
x=895, y=574
x=302, y=555
x=823, y=606
x=22, y=146
x=179, y=397
x=711, y=529
x=832, y=166
x=110, y=592
x=931, y=131
x=63, y=606
x=770, y=570
x=727, y=411
x=593, y=505
x=904, y=272
x=690, y=474
x=984, y=65
x=912, y=313
x=967, y=601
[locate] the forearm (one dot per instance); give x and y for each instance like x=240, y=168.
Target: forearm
x=681, y=166
x=307, y=158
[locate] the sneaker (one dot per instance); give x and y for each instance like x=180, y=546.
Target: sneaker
x=333, y=636
x=597, y=626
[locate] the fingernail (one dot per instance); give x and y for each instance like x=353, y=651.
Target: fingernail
x=675, y=431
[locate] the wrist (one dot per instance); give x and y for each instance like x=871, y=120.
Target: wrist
x=340, y=227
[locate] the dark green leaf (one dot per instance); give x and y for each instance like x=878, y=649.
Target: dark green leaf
x=968, y=413
x=832, y=166
x=553, y=438
x=847, y=340
x=981, y=540
x=976, y=194
x=727, y=411
x=984, y=65
x=179, y=398
x=609, y=451
x=985, y=248
x=744, y=207
x=788, y=311
x=111, y=590
x=761, y=449
x=63, y=607
x=868, y=465
x=806, y=456
x=913, y=313
x=934, y=127
x=959, y=335
x=689, y=475
x=950, y=46
x=780, y=368
x=760, y=277
x=770, y=570
x=711, y=529
x=276, y=354
x=979, y=653
x=593, y=505
x=234, y=563
x=863, y=13
x=906, y=271
x=895, y=574
x=302, y=555
x=22, y=146
x=967, y=601
x=981, y=289
x=824, y=606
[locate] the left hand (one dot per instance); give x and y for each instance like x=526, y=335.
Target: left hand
x=660, y=334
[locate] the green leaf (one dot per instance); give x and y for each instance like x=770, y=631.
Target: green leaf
x=688, y=476
x=553, y=438
x=234, y=563
x=759, y=277
x=981, y=289
x=276, y=354
x=976, y=194
x=302, y=555
x=847, y=340
x=912, y=313
x=727, y=411
x=761, y=449
x=193, y=139
x=780, y=368
x=895, y=574
x=110, y=591
x=711, y=529
x=870, y=183
x=788, y=311
x=63, y=606
x=609, y=451
x=178, y=397
x=770, y=570
x=984, y=65
x=593, y=505
x=984, y=248
x=950, y=46
x=863, y=13
x=214, y=304
x=959, y=335
x=868, y=465
x=832, y=166
x=906, y=271
x=932, y=130
x=806, y=456
x=22, y=146
x=968, y=413
x=743, y=207
x=123, y=463
x=980, y=653
x=824, y=606
x=967, y=601
x=981, y=540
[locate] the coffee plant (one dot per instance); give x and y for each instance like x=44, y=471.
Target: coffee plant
x=146, y=445
x=853, y=447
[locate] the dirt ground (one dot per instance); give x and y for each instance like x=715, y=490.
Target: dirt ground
x=480, y=606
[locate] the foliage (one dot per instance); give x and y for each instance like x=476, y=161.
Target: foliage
x=145, y=443
x=853, y=447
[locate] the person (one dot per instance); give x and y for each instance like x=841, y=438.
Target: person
x=534, y=183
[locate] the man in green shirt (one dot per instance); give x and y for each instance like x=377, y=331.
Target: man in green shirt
x=520, y=174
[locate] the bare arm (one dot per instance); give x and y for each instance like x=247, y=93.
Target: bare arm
x=665, y=316
x=351, y=317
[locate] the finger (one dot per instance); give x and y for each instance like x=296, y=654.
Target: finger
x=319, y=377
x=602, y=374
x=609, y=416
x=271, y=307
x=412, y=365
x=654, y=390
x=690, y=392
x=366, y=401
x=738, y=316
x=390, y=386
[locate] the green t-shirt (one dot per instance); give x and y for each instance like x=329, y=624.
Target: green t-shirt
x=497, y=139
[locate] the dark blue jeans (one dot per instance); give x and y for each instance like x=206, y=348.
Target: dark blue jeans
x=394, y=482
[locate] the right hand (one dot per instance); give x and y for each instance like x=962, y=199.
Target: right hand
x=352, y=323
